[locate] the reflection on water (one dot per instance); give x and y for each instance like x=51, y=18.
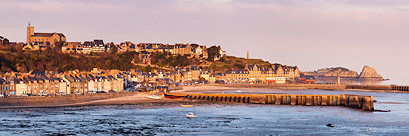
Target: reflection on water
x=227, y=119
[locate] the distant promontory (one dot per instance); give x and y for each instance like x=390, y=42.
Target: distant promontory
x=367, y=73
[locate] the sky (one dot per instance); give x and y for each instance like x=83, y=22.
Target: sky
x=310, y=34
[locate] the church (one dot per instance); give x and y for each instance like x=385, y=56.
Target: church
x=43, y=38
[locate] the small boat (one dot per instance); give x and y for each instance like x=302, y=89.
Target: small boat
x=239, y=91
x=186, y=105
x=26, y=111
x=174, y=95
x=190, y=115
x=154, y=97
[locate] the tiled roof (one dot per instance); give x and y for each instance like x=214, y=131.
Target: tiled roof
x=99, y=41
x=46, y=34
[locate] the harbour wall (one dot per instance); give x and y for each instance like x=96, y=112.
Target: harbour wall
x=364, y=103
x=321, y=86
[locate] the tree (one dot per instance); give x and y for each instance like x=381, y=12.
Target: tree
x=60, y=45
x=239, y=66
x=113, y=48
x=213, y=52
x=6, y=41
x=148, y=68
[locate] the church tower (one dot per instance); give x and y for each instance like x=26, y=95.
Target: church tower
x=30, y=32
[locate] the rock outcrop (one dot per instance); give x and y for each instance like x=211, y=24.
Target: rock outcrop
x=369, y=72
x=342, y=72
x=333, y=72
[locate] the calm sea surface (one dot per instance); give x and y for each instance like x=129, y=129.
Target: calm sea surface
x=228, y=119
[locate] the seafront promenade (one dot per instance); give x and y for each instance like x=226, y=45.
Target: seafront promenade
x=385, y=88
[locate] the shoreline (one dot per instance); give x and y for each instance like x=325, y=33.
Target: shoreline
x=140, y=97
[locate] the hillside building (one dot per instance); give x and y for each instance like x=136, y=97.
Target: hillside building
x=46, y=38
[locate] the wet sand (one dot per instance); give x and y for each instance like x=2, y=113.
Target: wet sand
x=126, y=100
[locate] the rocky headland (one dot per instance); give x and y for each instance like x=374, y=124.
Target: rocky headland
x=367, y=73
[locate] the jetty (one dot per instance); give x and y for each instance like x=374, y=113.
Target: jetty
x=364, y=103
x=391, y=88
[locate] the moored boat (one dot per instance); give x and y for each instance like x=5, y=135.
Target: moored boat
x=154, y=97
x=186, y=105
x=174, y=95
x=190, y=115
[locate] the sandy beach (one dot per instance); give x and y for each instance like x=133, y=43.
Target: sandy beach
x=140, y=97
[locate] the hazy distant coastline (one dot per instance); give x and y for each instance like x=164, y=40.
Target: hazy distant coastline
x=368, y=74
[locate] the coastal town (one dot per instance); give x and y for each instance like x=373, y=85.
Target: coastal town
x=112, y=80
x=200, y=67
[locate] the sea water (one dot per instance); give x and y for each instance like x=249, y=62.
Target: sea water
x=214, y=119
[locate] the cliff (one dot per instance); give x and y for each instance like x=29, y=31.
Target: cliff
x=342, y=72
x=333, y=72
x=368, y=73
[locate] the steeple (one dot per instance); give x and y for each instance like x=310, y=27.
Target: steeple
x=28, y=24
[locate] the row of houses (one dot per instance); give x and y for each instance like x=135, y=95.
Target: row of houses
x=254, y=73
x=251, y=74
x=42, y=41
x=76, y=81
x=98, y=46
x=42, y=82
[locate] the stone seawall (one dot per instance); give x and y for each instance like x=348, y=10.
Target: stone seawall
x=321, y=86
x=57, y=100
x=364, y=103
x=289, y=86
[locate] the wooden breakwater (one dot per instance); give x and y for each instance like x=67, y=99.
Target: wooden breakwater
x=400, y=88
x=353, y=101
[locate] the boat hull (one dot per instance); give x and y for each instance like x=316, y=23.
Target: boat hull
x=186, y=105
x=190, y=116
x=154, y=97
x=174, y=96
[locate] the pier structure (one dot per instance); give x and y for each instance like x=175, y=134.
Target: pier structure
x=400, y=88
x=322, y=86
x=364, y=103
